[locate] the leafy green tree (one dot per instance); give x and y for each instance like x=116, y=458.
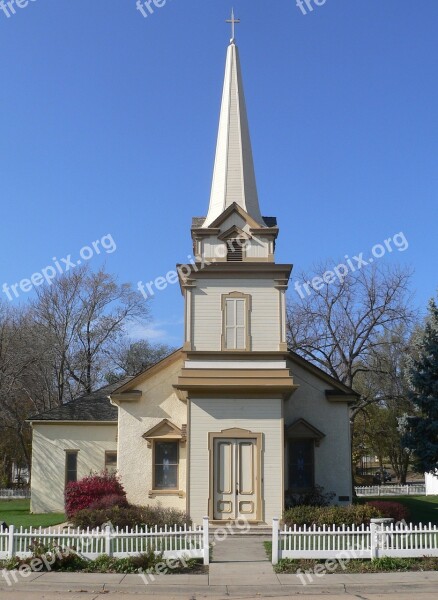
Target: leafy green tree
x=421, y=430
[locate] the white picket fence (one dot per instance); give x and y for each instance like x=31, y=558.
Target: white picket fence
x=171, y=542
x=15, y=494
x=413, y=489
x=371, y=541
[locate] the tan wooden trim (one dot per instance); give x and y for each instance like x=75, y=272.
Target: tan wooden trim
x=130, y=396
x=209, y=380
x=244, y=393
x=154, y=493
x=155, y=430
x=235, y=433
x=218, y=269
x=224, y=373
x=255, y=354
x=232, y=232
x=205, y=231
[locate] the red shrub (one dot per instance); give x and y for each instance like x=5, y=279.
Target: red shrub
x=108, y=502
x=391, y=510
x=82, y=494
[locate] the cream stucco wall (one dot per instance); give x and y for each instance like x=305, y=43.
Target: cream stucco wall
x=257, y=415
x=333, y=456
x=50, y=441
x=159, y=401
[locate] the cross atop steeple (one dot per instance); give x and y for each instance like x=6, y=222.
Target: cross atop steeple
x=233, y=22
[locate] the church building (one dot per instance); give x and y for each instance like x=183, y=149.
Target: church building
x=232, y=422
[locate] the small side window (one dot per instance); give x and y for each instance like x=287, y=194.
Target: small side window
x=111, y=462
x=71, y=466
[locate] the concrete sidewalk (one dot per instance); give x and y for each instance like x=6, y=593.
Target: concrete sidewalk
x=245, y=580
x=240, y=569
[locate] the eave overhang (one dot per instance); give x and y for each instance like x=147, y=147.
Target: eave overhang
x=130, y=396
x=212, y=270
x=237, y=381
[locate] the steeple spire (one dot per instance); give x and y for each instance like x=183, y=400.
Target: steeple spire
x=233, y=177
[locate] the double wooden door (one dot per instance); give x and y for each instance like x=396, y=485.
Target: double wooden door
x=235, y=479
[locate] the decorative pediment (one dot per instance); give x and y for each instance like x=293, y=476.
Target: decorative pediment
x=165, y=430
x=232, y=233
x=235, y=208
x=304, y=430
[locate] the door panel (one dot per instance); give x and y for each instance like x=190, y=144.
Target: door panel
x=246, y=468
x=225, y=472
x=235, y=479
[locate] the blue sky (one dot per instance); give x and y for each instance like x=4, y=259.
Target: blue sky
x=108, y=126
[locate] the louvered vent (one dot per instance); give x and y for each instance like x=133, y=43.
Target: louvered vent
x=235, y=250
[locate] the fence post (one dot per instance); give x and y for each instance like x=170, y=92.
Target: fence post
x=374, y=541
x=108, y=549
x=11, y=542
x=275, y=539
x=206, y=541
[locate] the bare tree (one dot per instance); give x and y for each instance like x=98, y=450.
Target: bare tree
x=130, y=358
x=83, y=314
x=18, y=358
x=341, y=326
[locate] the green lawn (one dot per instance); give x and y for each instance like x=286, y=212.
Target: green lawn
x=16, y=512
x=423, y=509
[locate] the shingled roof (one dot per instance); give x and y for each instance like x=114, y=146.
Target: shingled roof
x=90, y=407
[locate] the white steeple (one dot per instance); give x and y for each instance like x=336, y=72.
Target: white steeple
x=233, y=177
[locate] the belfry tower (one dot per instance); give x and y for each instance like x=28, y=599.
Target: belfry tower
x=235, y=332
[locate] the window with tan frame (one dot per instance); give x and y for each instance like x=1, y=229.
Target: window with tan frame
x=236, y=322
x=166, y=465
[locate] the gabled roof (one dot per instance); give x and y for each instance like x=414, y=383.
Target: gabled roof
x=94, y=407
x=161, y=364
x=338, y=385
